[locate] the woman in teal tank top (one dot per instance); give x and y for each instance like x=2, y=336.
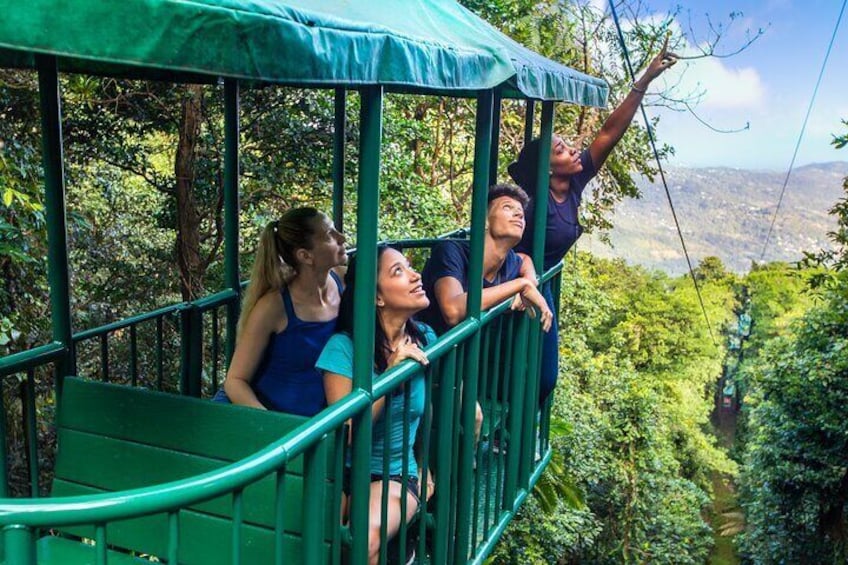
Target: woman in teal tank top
x=397, y=337
x=288, y=314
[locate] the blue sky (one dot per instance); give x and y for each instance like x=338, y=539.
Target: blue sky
x=769, y=85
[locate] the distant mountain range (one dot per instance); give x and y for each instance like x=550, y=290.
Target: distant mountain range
x=725, y=212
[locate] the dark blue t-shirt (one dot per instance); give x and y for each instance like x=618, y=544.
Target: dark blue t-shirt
x=450, y=259
x=563, y=228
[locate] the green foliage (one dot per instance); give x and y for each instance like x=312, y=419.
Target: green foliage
x=628, y=482
x=796, y=467
x=636, y=368
x=795, y=476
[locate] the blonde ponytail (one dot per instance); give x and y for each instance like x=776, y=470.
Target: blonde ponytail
x=275, y=263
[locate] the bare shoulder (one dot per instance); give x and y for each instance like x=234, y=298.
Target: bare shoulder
x=269, y=312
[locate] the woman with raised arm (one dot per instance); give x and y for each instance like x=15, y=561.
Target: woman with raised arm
x=288, y=314
x=570, y=171
x=399, y=296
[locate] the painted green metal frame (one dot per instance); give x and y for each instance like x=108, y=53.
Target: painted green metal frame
x=368, y=202
x=232, y=280
x=339, y=127
x=54, y=203
x=457, y=354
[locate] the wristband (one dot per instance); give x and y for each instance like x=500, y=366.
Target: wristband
x=637, y=89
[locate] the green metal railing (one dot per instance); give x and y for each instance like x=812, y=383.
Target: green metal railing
x=492, y=357
x=176, y=348
x=495, y=483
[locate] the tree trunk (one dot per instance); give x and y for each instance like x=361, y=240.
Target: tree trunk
x=188, y=218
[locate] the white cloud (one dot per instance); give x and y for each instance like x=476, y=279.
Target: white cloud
x=721, y=86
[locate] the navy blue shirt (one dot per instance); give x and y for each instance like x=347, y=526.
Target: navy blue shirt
x=563, y=228
x=450, y=259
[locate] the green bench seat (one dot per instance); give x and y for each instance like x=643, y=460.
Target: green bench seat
x=113, y=438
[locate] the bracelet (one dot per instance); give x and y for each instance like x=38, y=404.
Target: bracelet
x=637, y=89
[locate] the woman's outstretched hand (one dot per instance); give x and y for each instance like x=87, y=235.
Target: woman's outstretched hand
x=662, y=61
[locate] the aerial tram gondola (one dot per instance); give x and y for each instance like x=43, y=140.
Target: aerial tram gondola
x=275, y=495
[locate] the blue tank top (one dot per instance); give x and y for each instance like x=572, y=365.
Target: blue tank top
x=287, y=380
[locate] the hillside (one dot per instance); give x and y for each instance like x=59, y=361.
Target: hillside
x=725, y=212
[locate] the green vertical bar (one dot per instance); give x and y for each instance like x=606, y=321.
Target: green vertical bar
x=279, y=516
x=31, y=427
x=339, y=126
x=540, y=209
x=470, y=378
x=556, y=289
x=456, y=441
x=503, y=382
x=496, y=138
x=485, y=459
x=54, y=204
x=531, y=403
x=100, y=543
x=173, y=536
x=238, y=519
x=160, y=358
x=215, y=351
x=185, y=349
x=540, y=214
x=4, y=459
x=104, y=357
x=133, y=355
x=368, y=198
x=444, y=480
x=386, y=421
x=314, y=517
x=426, y=426
x=231, y=208
x=516, y=409
x=20, y=545
x=529, y=114
x=338, y=469
x=404, y=507
x=480, y=187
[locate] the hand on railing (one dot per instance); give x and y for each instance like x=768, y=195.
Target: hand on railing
x=407, y=350
x=529, y=298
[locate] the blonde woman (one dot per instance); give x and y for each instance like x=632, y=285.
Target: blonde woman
x=289, y=313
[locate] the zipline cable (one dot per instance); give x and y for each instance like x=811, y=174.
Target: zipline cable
x=803, y=128
x=626, y=54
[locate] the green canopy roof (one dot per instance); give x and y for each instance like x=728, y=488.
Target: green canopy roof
x=406, y=45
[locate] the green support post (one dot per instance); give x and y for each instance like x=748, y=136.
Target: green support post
x=444, y=456
x=540, y=214
x=20, y=545
x=4, y=458
x=231, y=210
x=529, y=114
x=540, y=211
x=339, y=126
x=314, y=515
x=496, y=138
x=470, y=377
x=368, y=198
x=54, y=204
x=531, y=405
x=517, y=388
